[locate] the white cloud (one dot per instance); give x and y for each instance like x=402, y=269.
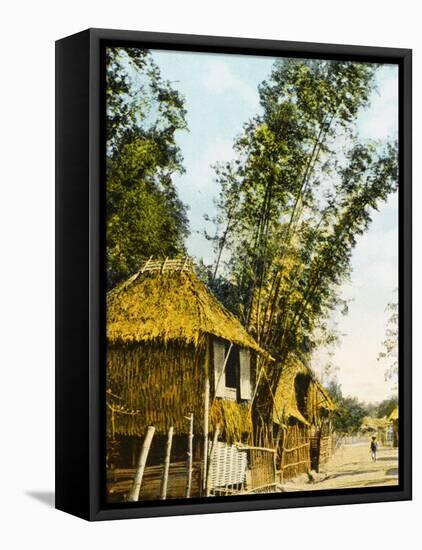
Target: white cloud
x=219, y=78
x=199, y=172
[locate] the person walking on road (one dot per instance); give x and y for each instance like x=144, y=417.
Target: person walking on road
x=374, y=448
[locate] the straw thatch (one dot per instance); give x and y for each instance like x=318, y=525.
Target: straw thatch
x=155, y=386
x=394, y=415
x=234, y=420
x=170, y=305
x=286, y=399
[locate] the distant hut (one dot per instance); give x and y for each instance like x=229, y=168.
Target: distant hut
x=393, y=419
x=172, y=350
x=378, y=427
x=302, y=411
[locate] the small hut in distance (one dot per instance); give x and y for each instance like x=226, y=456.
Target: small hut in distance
x=378, y=427
x=176, y=358
x=302, y=413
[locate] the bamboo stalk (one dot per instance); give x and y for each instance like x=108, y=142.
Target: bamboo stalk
x=206, y=424
x=137, y=482
x=164, y=481
x=190, y=456
x=212, y=459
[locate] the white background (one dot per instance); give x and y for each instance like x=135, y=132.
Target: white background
x=27, y=272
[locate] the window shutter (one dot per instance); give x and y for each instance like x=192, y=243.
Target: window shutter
x=245, y=374
x=218, y=369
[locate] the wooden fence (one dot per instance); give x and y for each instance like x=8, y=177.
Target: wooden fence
x=294, y=452
x=231, y=469
x=120, y=481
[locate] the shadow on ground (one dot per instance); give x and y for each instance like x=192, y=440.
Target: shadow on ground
x=45, y=497
x=348, y=473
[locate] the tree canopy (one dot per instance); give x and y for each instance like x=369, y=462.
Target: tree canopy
x=144, y=214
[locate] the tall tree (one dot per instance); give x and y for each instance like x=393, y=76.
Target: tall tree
x=144, y=214
x=293, y=202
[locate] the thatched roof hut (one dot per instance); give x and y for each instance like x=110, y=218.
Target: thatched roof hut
x=299, y=395
x=167, y=334
x=373, y=424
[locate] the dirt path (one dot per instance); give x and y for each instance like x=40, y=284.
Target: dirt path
x=351, y=466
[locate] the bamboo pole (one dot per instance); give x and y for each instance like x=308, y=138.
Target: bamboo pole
x=206, y=424
x=212, y=458
x=164, y=480
x=137, y=482
x=190, y=456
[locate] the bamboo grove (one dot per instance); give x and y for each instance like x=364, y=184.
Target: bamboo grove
x=301, y=188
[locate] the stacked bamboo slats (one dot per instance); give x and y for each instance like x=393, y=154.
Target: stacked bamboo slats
x=120, y=481
x=178, y=264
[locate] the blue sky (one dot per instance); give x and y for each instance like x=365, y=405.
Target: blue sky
x=221, y=95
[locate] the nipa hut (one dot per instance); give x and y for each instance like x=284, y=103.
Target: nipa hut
x=179, y=362
x=302, y=413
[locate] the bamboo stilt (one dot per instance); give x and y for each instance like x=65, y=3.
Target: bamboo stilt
x=206, y=424
x=190, y=456
x=137, y=482
x=164, y=481
x=212, y=458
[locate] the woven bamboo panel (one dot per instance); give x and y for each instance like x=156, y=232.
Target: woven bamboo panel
x=228, y=466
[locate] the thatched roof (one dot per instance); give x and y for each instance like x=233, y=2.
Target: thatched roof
x=166, y=302
x=370, y=423
x=285, y=400
x=394, y=415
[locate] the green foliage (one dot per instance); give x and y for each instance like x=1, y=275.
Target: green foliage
x=144, y=214
x=294, y=201
x=391, y=342
x=348, y=417
x=386, y=407
x=350, y=412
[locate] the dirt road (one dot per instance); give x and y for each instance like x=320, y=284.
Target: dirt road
x=351, y=466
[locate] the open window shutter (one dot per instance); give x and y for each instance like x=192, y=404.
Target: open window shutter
x=245, y=374
x=219, y=377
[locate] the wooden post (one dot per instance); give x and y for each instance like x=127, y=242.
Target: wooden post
x=165, y=478
x=137, y=482
x=206, y=420
x=190, y=456
x=212, y=458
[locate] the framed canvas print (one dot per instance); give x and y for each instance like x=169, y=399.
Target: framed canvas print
x=233, y=274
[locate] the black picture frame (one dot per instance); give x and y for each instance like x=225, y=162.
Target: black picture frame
x=80, y=284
